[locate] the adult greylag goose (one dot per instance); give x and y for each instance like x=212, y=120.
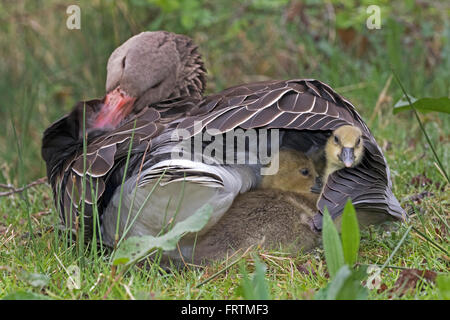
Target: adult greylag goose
x=152, y=79
x=154, y=86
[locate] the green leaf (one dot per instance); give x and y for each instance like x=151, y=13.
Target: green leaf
x=25, y=295
x=350, y=234
x=136, y=248
x=255, y=288
x=423, y=105
x=443, y=285
x=332, y=245
x=338, y=282
x=346, y=285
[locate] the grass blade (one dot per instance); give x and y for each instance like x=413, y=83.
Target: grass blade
x=116, y=241
x=421, y=126
x=399, y=244
x=254, y=288
x=350, y=234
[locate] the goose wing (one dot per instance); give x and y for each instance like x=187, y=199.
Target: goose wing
x=307, y=105
x=102, y=167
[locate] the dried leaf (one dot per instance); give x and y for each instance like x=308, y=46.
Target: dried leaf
x=421, y=180
x=409, y=278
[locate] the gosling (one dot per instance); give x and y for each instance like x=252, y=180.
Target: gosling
x=344, y=149
x=297, y=173
x=276, y=215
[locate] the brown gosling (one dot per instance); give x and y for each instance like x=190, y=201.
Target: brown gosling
x=276, y=215
x=344, y=149
x=296, y=174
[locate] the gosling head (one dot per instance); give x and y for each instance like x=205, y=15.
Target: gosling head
x=296, y=173
x=344, y=148
x=148, y=68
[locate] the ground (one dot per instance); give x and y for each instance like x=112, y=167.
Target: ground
x=47, y=68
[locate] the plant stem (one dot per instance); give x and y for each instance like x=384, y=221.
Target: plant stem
x=421, y=126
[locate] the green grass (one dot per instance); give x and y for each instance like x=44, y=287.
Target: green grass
x=46, y=68
x=47, y=255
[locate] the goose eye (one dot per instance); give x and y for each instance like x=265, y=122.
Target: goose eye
x=358, y=141
x=336, y=139
x=304, y=171
x=156, y=85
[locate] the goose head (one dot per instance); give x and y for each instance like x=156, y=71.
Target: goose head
x=344, y=148
x=149, y=68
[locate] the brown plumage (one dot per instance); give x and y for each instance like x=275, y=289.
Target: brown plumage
x=157, y=79
x=277, y=215
x=307, y=111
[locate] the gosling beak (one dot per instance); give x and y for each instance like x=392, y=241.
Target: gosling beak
x=347, y=156
x=117, y=106
x=317, y=187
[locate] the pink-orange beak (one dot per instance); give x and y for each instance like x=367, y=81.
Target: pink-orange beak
x=116, y=107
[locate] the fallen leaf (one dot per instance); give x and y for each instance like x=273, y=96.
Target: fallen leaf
x=409, y=278
x=421, y=180
x=383, y=287
x=41, y=214
x=417, y=197
x=306, y=269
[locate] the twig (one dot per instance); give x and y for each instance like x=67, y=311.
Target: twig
x=97, y=282
x=224, y=269
x=114, y=281
x=218, y=273
x=18, y=190
x=181, y=256
x=381, y=99
x=41, y=214
x=75, y=285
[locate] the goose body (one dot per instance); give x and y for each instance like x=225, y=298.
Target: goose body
x=146, y=103
x=160, y=202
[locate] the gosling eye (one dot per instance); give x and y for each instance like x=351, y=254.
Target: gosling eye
x=358, y=141
x=304, y=171
x=336, y=139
